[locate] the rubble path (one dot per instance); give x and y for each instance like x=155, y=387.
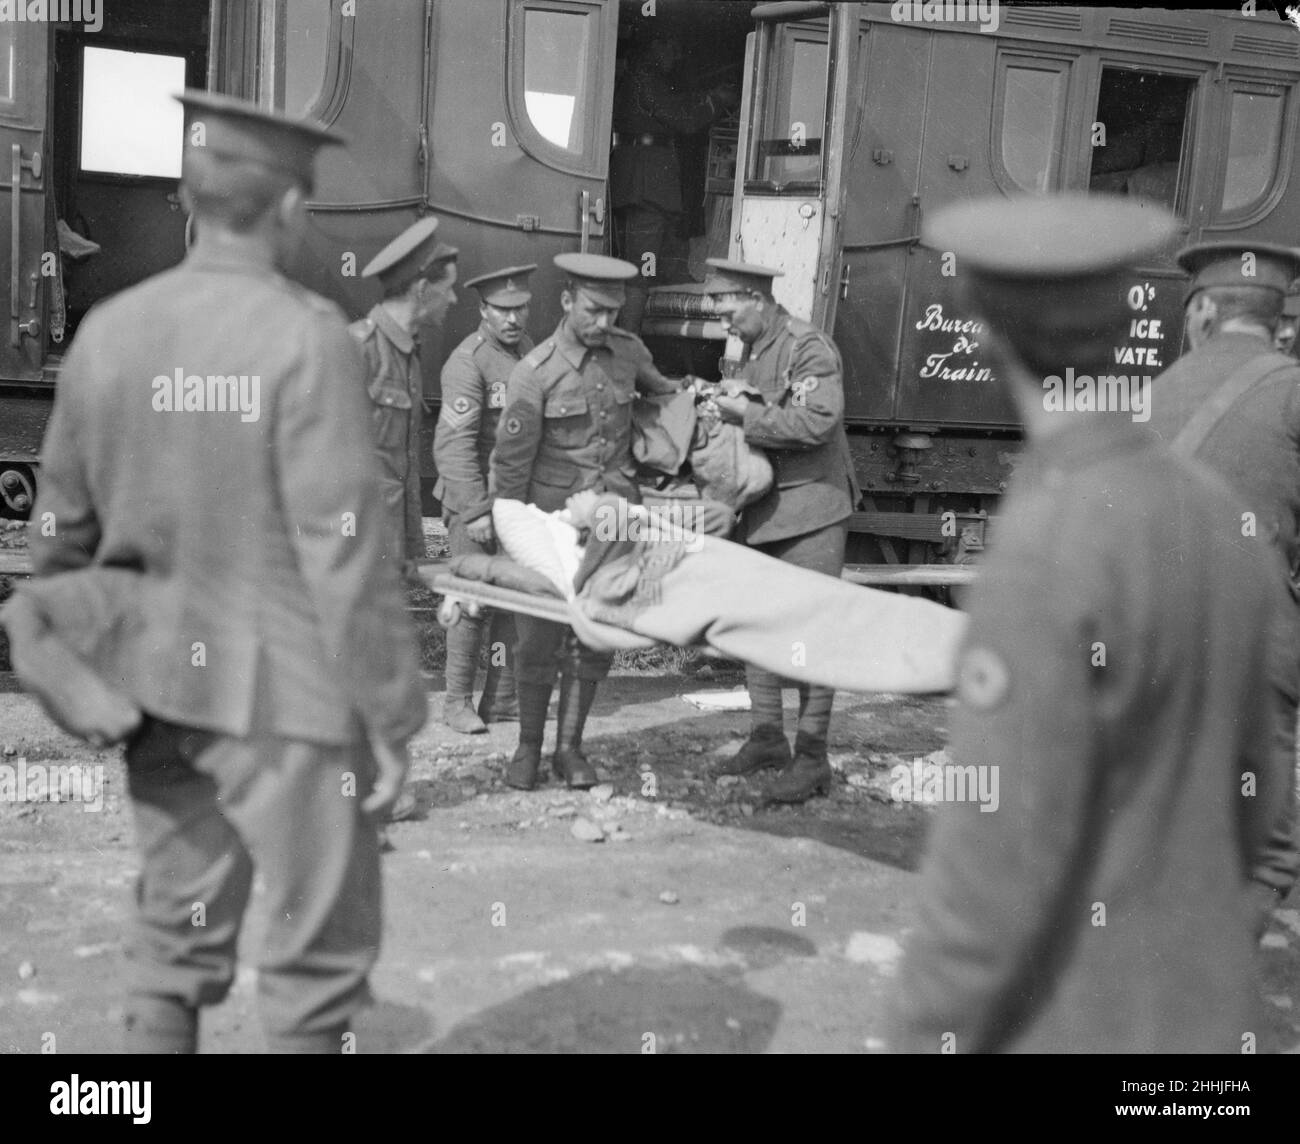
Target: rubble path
x=662, y=911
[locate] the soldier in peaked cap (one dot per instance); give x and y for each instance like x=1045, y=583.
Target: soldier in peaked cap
x=566, y=427
x=1233, y=402
x=473, y=394
x=416, y=273
x=1110, y=684
x=268, y=649
x=803, y=519
x=1284, y=338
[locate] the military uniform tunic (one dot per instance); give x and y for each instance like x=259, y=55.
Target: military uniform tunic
x=800, y=425
x=271, y=637
x=1255, y=447
x=474, y=381
x=397, y=406
x=1117, y=692
x=567, y=424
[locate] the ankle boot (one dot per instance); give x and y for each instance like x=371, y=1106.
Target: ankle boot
x=534, y=698
x=765, y=747
x=569, y=763
x=809, y=773
x=499, y=702
x=463, y=640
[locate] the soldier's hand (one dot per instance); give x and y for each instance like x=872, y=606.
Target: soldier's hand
x=732, y=407
x=392, y=761
x=480, y=530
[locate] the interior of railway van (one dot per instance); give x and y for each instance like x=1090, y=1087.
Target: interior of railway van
x=116, y=148
x=711, y=39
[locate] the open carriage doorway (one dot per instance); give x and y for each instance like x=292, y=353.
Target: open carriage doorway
x=116, y=148
x=679, y=74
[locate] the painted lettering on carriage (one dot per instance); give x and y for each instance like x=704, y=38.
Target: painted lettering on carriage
x=957, y=362
x=1145, y=335
x=216, y=393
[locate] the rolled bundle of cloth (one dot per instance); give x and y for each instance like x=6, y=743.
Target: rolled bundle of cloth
x=683, y=588
x=61, y=634
x=683, y=434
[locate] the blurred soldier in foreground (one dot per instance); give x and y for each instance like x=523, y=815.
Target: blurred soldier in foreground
x=645, y=180
x=566, y=427
x=1233, y=402
x=1112, y=680
x=267, y=642
x=417, y=273
x=803, y=519
x=473, y=395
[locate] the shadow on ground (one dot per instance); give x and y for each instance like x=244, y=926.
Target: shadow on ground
x=684, y=1009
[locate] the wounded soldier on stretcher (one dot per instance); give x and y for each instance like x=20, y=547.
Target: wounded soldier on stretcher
x=631, y=576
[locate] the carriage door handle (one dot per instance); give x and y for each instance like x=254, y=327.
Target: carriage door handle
x=31, y=329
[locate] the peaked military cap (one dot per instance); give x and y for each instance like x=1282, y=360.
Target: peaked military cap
x=240, y=131
x=599, y=276
x=508, y=287
x=409, y=256
x=728, y=277
x=1237, y=263
x=1049, y=272
x=1049, y=237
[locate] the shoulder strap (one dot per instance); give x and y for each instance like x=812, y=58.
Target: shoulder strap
x=1239, y=383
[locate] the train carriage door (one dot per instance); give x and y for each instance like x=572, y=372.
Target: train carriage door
x=24, y=56
x=561, y=89
x=797, y=79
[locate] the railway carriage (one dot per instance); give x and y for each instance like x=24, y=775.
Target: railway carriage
x=496, y=115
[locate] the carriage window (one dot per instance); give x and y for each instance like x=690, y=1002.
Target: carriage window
x=1033, y=124
x=306, y=35
x=6, y=62
x=1254, y=138
x=556, y=47
x=788, y=139
x=1144, y=117
x=130, y=125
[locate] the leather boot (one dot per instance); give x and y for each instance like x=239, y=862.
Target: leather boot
x=463, y=640
x=765, y=747
x=534, y=698
x=499, y=702
x=809, y=774
x=569, y=763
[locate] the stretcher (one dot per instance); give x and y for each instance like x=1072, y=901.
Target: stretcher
x=469, y=597
x=705, y=591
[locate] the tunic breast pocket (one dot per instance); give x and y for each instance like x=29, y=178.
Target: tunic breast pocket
x=567, y=421
x=390, y=415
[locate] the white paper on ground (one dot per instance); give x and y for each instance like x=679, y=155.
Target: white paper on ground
x=736, y=699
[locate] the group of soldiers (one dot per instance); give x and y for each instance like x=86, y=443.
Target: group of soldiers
x=1152, y=779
